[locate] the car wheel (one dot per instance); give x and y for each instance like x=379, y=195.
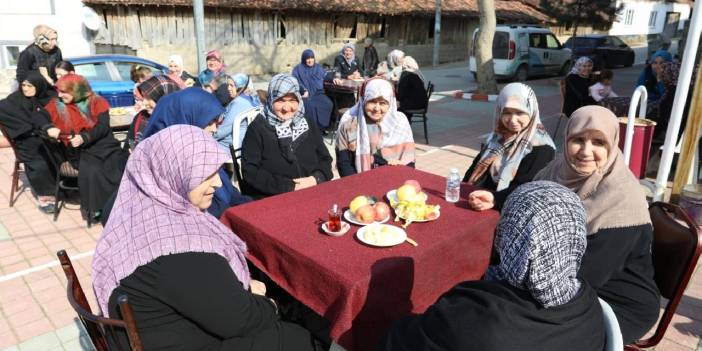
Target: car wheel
x=565, y=69
x=522, y=74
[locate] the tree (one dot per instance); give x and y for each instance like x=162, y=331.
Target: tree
x=483, y=48
x=574, y=13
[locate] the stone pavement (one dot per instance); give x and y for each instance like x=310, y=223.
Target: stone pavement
x=34, y=312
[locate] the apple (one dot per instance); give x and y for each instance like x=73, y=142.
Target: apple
x=382, y=211
x=415, y=184
x=366, y=214
x=430, y=215
x=358, y=202
x=406, y=192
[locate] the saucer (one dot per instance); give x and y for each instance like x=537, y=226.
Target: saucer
x=344, y=228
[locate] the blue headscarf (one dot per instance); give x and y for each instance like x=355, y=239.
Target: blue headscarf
x=311, y=79
x=192, y=106
x=667, y=57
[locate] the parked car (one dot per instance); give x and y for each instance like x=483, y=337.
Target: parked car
x=605, y=51
x=521, y=51
x=109, y=75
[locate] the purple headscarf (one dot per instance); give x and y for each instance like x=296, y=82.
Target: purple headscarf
x=153, y=216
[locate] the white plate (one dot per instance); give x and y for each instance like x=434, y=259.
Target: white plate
x=344, y=228
x=351, y=218
x=396, y=235
x=392, y=196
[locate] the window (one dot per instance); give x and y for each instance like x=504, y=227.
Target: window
x=125, y=69
x=536, y=41
x=652, y=19
x=618, y=42
x=500, y=45
x=11, y=55
x=94, y=71
x=552, y=42
x=629, y=17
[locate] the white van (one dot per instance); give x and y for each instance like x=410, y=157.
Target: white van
x=520, y=51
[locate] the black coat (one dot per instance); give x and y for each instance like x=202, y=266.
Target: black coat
x=33, y=57
x=411, y=93
x=266, y=171
x=343, y=67
x=370, y=61
x=577, y=94
x=177, y=307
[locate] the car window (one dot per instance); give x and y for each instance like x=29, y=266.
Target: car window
x=536, y=40
x=125, y=68
x=552, y=42
x=94, y=71
x=618, y=42
x=500, y=45
x=607, y=42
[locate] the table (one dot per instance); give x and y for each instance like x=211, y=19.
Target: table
x=360, y=289
x=347, y=86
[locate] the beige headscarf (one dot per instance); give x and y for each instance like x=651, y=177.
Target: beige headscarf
x=612, y=195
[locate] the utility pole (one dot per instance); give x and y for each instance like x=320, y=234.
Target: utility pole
x=437, y=34
x=199, y=17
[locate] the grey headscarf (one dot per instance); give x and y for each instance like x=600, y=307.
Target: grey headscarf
x=281, y=85
x=353, y=47
x=541, y=239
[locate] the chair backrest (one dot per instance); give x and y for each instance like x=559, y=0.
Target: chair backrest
x=101, y=330
x=249, y=116
x=430, y=90
x=677, y=244
x=612, y=331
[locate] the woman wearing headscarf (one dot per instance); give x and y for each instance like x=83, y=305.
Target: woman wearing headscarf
x=151, y=90
x=178, y=74
x=394, y=64
x=577, y=86
x=660, y=113
x=282, y=150
x=345, y=63
x=310, y=75
x=22, y=115
x=516, y=150
x=41, y=56
x=241, y=102
x=215, y=67
x=158, y=260
x=411, y=94
x=373, y=133
x=618, y=261
x=532, y=300
x=82, y=117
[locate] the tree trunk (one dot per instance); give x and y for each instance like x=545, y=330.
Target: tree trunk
x=483, y=48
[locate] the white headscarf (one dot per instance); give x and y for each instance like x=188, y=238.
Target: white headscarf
x=410, y=65
x=578, y=66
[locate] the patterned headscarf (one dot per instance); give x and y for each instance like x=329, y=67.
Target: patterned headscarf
x=502, y=155
x=578, y=66
x=394, y=140
x=157, y=86
x=541, y=241
x=83, y=112
x=41, y=36
x=153, y=216
x=611, y=195
x=669, y=74
x=281, y=85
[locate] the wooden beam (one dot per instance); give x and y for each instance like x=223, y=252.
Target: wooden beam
x=690, y=137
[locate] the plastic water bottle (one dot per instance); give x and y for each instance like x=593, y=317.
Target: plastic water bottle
x=453, y=186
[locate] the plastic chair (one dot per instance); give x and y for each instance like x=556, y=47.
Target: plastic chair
x=612, y=331
x=423, y=112
x=235, y=149
x=677, y=244
x=100, y=329
x=16, y=170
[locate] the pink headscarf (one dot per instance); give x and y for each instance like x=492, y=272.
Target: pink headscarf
x=214, y=54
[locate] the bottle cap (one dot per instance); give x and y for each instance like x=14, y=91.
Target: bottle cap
x=453, y=170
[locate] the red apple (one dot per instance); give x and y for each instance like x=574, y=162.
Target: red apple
x=382, y=211
x=366, y=214
x=415, y=184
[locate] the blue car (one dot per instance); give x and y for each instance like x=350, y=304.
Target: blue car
x=109, y=75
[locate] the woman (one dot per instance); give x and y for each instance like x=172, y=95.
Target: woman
x=516, y=150
x=178, y=74
x=282, y=150
x=152, y=90
x=83, y=118
x=22, y=114
x=618, y=261
x=411, y=94
x=63, y=68
x=215, y=67
x=373, y=133
x=238, y=90
x=345, y=63
x=577, y=86
x=310, y=75
x=171, y=178
x=649, y=76
x=532, y=300
x=138, y=75
x=660, y=113
x=394, y=64
x=41, y=56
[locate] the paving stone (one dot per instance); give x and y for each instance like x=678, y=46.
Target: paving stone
x=41, y=343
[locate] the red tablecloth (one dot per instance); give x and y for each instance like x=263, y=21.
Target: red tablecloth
x=358, y=288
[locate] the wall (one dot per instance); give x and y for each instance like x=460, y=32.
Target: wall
x=642, y=13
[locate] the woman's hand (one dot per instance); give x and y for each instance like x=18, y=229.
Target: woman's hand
x=53, y=132
x=303, y=183
x=258, y=287
x=77, y=140
x=481, y=200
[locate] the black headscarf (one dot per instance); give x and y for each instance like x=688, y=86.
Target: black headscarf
x=222, y=93
x=20, y=114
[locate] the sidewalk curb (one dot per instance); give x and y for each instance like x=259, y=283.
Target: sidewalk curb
x=474, y=97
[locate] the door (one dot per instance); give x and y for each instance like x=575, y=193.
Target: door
x=537, y=53
x=555, y=55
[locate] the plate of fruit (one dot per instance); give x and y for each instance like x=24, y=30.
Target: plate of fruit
x=410, y=204
x=382, y=235
x=364, y=210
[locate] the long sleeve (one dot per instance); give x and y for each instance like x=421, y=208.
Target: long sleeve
x=99, y=131
x=254, y=174
x=531, y=164
x=24, y=64
x=595, y=92
x=322, y=171
x=345, y=162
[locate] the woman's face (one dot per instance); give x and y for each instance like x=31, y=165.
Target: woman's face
x=201, y=196
x=310, y=61
x=587, y=68
x=211, y=128
x=65, y=97
x=514, y=120
x=588, y=151
x=173, y=67
x=231, y=88
x=149, y=104
x=213, y=64
x=656, y=65
x=286, y=106
x=28, y=89
x=52, y=42
x=348, y=53
x=376, y=109
x=60, y=72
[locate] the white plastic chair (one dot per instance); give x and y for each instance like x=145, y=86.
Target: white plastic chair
x=612, y=332
x=249, y=115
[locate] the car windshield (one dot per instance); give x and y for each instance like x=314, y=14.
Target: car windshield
x=583, y=42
